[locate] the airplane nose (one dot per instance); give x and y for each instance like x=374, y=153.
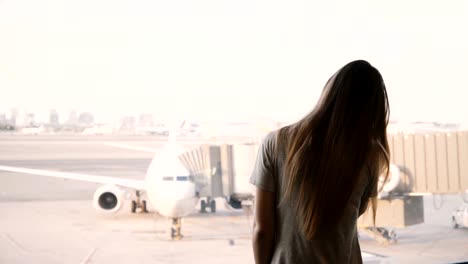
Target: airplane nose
x=179, y=208
x=173, y=199
x=177, y=191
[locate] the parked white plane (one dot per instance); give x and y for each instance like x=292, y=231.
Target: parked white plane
x=169, y=186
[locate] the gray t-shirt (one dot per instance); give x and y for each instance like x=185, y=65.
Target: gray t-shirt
x=291, y=246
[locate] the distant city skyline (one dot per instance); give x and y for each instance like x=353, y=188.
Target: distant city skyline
x=43, y=115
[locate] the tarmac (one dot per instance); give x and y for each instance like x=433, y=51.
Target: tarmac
x=48, y=220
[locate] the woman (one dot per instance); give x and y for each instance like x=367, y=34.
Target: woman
x=314, y=178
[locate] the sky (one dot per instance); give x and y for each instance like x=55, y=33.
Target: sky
x=225, y=59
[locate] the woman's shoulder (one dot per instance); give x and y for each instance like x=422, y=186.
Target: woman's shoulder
x=273, y=138
x=268, y=142
x=275, y=141
x=278, y=134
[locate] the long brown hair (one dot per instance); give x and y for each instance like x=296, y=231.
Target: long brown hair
x=333, y=146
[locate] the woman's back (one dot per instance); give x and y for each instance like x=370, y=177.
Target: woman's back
x=340, y=245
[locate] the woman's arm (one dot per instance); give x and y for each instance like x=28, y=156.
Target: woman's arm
x=264, y=226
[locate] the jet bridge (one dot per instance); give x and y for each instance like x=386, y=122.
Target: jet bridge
x=222, y=171
x=428, y=164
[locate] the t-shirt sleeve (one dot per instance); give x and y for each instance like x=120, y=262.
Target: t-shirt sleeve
x=263, y=175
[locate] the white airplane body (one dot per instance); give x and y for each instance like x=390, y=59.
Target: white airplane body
x=169, y=187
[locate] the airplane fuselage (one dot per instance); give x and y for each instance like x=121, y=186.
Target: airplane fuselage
x=169, y=186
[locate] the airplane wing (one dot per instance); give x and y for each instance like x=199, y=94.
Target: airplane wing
x=130, y=183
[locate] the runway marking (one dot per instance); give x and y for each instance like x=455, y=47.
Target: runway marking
x=15, y=243
x=89, y=256
x=23, y=250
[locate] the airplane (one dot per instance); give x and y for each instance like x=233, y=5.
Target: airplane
x=169, y=186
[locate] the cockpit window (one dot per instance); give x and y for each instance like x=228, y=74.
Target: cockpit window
x=182, y=178
x=168, y=178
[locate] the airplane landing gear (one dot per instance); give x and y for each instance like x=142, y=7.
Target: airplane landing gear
x=175, y=229
x=208, y=203
x=203, y=206
x=213, y=206
x=138, y=203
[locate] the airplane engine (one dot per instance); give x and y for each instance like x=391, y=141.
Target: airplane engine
x=108, y=198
